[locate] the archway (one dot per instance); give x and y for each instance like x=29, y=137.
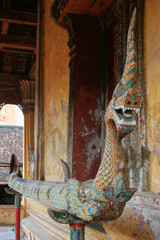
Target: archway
x=11, y=142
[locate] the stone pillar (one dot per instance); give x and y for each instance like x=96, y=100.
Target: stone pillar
x=28, y=98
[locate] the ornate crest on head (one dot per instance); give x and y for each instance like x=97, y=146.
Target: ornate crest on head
x=125, y=101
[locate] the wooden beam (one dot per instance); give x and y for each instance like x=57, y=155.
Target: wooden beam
x=6, y=4
x=4, y=29
x=4, y=164
x=32, y=71
x=19, y=42
x=9, y=89
x=11, y=97
x=61, y=8
x=18, y=17
x=22, y=51
x=9, y=79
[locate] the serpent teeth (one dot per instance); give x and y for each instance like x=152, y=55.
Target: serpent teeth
x=127, y=114
x=127, y=108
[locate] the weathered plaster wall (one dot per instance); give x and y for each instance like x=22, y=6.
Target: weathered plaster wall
x=7, y=215
x=152, y=77
x=141, y=218
x=56, y=91
x=87, y=105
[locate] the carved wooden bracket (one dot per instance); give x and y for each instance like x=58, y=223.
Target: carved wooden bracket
x=28, y=95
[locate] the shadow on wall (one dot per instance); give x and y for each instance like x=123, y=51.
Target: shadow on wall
x=5, y=198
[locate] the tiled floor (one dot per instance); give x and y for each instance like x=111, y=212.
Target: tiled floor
x=6, y=233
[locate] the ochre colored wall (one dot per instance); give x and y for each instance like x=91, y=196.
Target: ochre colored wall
x=140, y=220
x=129, y=226
x=56, y=91
x=7, y=214
x=152, y=78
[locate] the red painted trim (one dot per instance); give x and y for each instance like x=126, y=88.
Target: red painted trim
x=17, y=223
x=4, y=164
x=77, y=225
x=87, y=98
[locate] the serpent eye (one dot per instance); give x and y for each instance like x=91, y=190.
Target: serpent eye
x=129, y=102
x=121, y=197
x=135, y=103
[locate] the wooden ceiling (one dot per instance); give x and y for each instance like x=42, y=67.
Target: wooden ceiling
x=61, y=8
x=18, y=26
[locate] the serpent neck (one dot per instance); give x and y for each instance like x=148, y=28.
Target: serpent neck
x=112, y=157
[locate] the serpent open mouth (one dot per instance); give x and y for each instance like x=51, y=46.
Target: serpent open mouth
x=126, y=115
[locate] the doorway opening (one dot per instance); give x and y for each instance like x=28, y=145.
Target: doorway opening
x=11, y=142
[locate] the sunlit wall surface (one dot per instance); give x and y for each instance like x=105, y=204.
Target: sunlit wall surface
x=11, y=115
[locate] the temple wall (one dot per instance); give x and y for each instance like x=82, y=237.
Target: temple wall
x=152, y=77
x=141, y=219
x=7, y=215
x=56, y=92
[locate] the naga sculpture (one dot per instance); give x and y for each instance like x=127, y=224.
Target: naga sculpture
x=104, y=197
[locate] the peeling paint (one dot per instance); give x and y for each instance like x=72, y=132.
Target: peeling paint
x=140, y=220
x=56, y=89
x=152, y=74
x=55, y=145
x=64, y=106
x=92, y=151
x=157, y=54
x=90, y=112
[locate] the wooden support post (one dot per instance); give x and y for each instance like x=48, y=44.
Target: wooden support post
x=77, y=225
x=28, y=97
x=77, y=231
x=17, y=203
x=18, y=207
x=17, y=199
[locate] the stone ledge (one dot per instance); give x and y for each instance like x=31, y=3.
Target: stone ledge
x=39, y=227
x=140, y=220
